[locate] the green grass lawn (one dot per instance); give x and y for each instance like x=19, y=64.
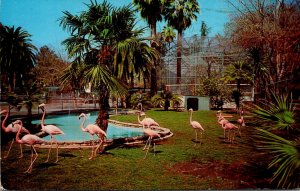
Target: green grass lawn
x=178, y=164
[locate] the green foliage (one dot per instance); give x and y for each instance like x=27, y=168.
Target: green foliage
x=180, y=14
x=142, y=98
x=168, y=34
x=17, y=57
x=280, y=113
x=157, y=100
x=285, y=153
x=286, y=158
x=211, y=87
x=166, y=99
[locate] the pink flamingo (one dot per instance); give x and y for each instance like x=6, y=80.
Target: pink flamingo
x=222, y=121
x=28, y=139
x=93, y=130
x=147, y=121
x=151, y=135
x=51, y=130
x=196, y=125
x=241, y=123
x=11, y=129
x=231, y=128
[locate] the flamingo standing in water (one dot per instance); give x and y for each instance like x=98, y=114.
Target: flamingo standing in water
x=28, y=139
x=92, y=130
x=11, y=129
x=147, y=121
x=151, y=135
x=195, y=125
x=51, y=130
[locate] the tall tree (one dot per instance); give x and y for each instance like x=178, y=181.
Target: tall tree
x=168, y=34
x=49, y=67
x=180, y=14
x=269, y=32
x=151, y=11
x=238, y=71
x=17, y=56
x=104, y=43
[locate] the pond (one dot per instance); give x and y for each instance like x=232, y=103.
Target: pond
x=70, y=125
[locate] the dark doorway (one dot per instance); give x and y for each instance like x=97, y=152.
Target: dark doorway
x=192, y=103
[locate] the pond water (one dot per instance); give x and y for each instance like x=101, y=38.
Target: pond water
x=70, y=125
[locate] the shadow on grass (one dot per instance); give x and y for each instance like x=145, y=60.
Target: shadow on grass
x=66, y=155
x=45, y=165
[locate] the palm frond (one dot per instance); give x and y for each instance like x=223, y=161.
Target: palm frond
x=99, y=74
x=279, y=113
x=286, y=158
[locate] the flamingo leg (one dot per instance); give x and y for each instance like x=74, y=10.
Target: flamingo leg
x=148, y=147
x=21, y=151
x=233, y=137
x=154, y=148
x=146, y=143
x=49, y=149
x=229, y=136
x=102, y=138
x=201, y=135
x=196, y=135
x=27, y=171
x=92, y=148
x=12, y=142
x=31, y=164
x=56, y=149
x=101, y=142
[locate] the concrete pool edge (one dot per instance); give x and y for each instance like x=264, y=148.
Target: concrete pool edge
x=129, y=141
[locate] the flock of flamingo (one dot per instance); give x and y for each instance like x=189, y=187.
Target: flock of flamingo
x=17, y=128
x=230, y=128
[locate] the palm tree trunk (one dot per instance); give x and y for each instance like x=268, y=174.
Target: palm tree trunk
x=179, y=46
x=103, y=115
x=153, y=81
x=153, y=70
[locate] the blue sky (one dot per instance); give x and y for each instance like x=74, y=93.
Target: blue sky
x=40, y=17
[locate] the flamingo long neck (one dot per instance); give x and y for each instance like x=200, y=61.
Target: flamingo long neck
x=139, y=119
x=82, y=124
x=191, y=116
x=43, y=117
x=18, y=134
x=3, y=122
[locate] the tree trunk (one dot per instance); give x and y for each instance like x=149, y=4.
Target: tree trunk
x=153, y=81
x=178, y=52
x=103, y=115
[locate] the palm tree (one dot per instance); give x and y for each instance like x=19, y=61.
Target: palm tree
x=168, y=34
x=238, y=71
x=285, y=153
x=17, y=56
x=151, y=11
x=105, y=44
x=180, y=14
x=165, y=99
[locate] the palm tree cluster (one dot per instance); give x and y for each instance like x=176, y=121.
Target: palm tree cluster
x=178, y=14
x=17, y=58
x=107, y=51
